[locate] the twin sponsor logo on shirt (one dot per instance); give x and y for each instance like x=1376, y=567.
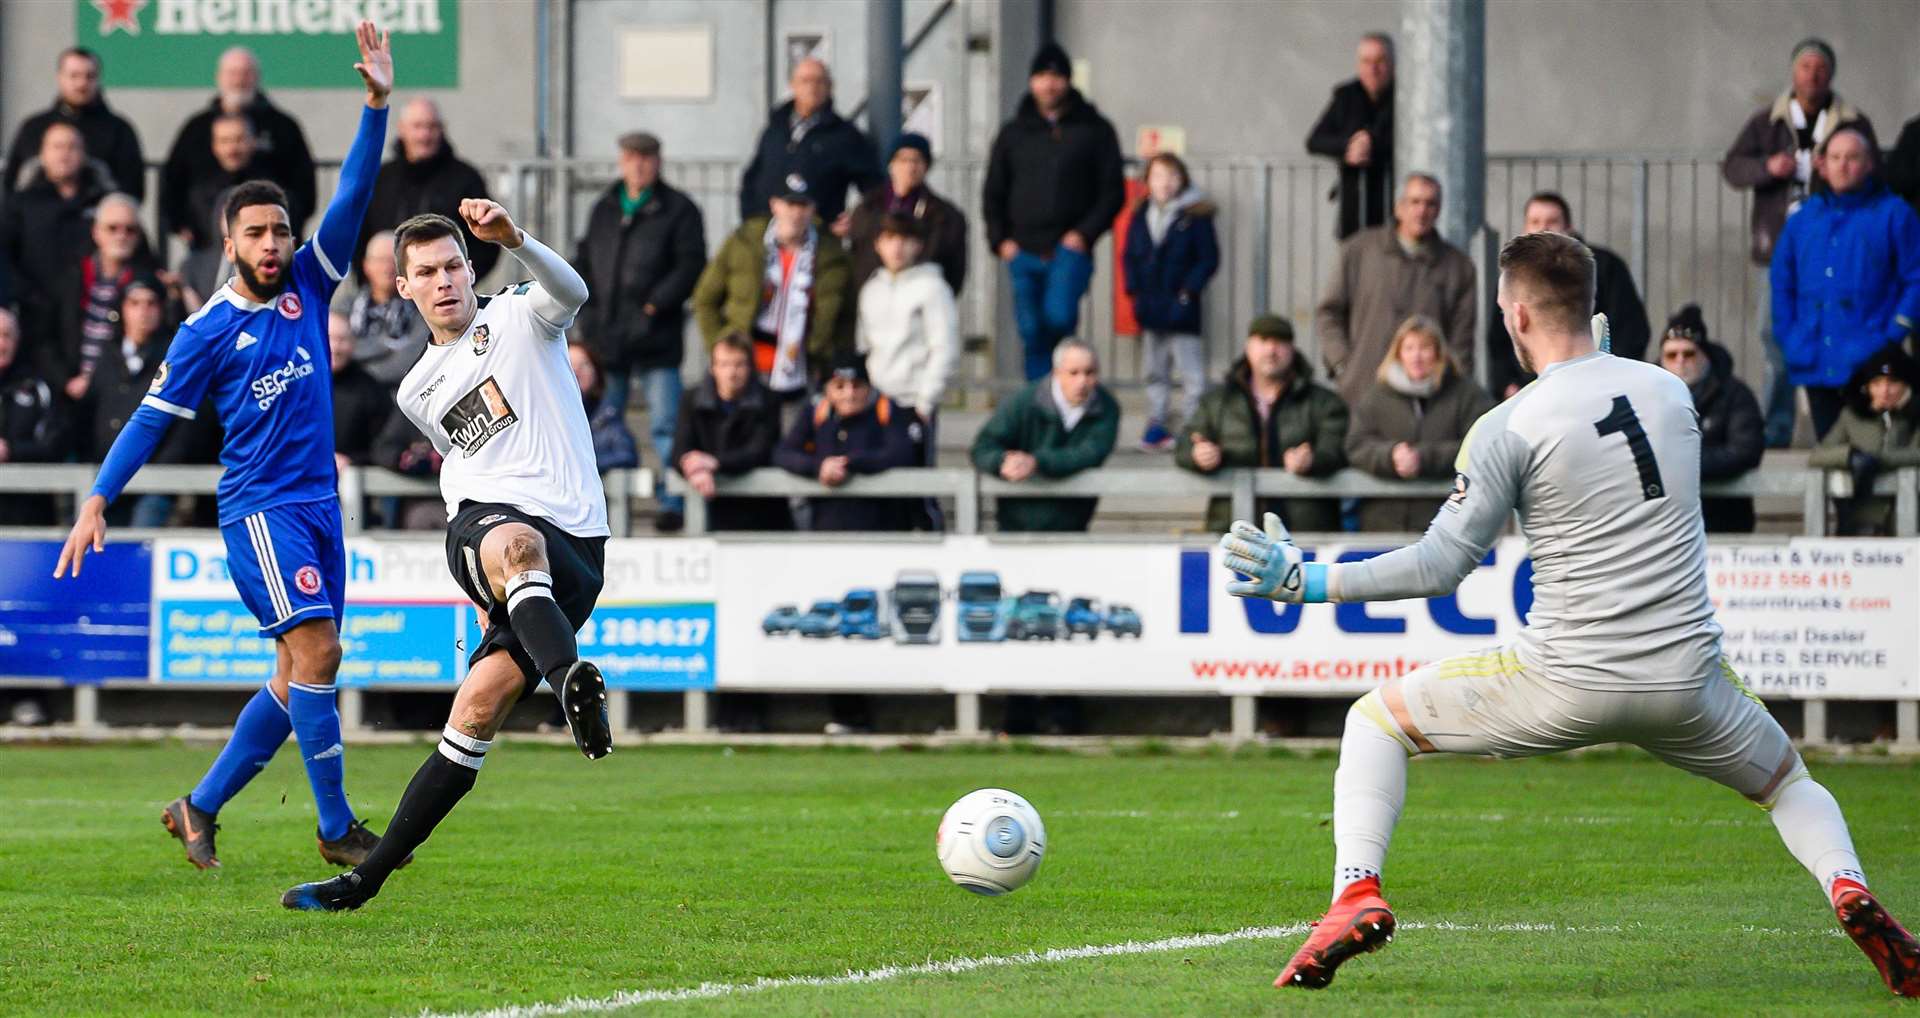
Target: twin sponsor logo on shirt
x=268, y=387
x=475, y=418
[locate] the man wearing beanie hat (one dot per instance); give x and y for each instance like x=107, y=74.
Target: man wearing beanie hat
x=1878, y=431
x=805, y=137
x=1269, y=414
x=1732, y=433
x=849, y=432
x=1053, y=186
x=905, y=193
x=1774, y=157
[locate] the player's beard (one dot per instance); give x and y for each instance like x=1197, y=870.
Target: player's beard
x=261, y=289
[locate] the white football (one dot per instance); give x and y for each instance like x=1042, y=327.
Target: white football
x=991, y=841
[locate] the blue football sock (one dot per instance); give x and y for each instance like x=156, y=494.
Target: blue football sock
x=316, y=724
x=257, y=734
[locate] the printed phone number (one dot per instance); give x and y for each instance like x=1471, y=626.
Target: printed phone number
x=1784, y=581
x=646, y=632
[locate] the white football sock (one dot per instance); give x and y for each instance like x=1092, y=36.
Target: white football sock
x=1809, y=821
x=1368, y=790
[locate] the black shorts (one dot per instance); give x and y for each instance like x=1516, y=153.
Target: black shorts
x=577, y=565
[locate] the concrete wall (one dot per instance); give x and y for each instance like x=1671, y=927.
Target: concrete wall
x=491, y=116
x=1249, y=77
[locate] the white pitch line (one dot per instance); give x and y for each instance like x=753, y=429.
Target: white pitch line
x=954, y=966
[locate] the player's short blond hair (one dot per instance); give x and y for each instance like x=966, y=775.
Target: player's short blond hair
x=1555, y=273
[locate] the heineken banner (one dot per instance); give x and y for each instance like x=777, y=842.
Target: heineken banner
x=300, y=43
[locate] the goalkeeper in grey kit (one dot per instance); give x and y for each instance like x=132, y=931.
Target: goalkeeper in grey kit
x=527, y=530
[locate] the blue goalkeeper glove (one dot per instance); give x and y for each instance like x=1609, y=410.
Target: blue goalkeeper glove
x=1276, y=569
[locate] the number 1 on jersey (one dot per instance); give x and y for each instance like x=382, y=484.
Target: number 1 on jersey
x=1623, y=421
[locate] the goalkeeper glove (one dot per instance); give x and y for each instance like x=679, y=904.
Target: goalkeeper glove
x=1273, y=564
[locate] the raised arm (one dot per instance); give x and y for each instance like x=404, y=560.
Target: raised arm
x=340, y=227
x=558, y=291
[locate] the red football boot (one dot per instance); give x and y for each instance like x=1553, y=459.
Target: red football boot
x=1891, y=948
x=1359, y=922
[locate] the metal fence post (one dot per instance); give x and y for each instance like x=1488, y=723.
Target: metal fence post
x=86, y=707
x=1642, y=217
x=695, y=712
x=966, y=714
x=1906, y=726
x=1246, y=713
x=1813, y=504
x=966, y=505
x=1906, y=502
x=696, y=512
x=1243, y=502
x=1263, y=239
x=1813, y=729
x=352, y=711
x=619, y=709
x=353, y=501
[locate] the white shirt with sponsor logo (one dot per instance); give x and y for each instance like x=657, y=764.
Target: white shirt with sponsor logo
x=1601, y=459
x=503, y=408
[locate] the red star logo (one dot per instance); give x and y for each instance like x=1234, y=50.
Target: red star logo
x=119, y=15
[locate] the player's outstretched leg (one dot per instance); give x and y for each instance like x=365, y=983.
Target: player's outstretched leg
x=515, y=559
x=1368, y=790
x=491, y=688
x=263, y=725
x=1809, y=821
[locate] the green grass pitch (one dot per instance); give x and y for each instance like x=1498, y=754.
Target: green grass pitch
x=1605, y=884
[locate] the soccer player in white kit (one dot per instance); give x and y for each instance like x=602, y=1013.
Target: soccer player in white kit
x=527, y=532
x=1601, y=460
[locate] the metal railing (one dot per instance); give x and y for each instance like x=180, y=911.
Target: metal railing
x=1243, y=487
x=966, y=488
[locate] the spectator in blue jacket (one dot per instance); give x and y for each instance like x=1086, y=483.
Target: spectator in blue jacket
x=1171, y=253
x=1846, y=275
x=847, y=433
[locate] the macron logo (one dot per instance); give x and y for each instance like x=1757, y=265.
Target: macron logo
x=246, y=339
x=330, y=752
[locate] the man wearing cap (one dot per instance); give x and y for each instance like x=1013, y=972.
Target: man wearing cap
x=943, y=227
x=644, y=249
x=804, y=136
x=1053, y=186
x=425, y=176
x=1269, y=414
x=785, y=281
x=847, y=433
x=1774, y=157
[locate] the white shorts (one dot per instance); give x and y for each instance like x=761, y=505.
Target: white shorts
x=1489, y=704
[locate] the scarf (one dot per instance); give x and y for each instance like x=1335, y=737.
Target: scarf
x=632, y=204
x=1398, y=381
x=783, y=311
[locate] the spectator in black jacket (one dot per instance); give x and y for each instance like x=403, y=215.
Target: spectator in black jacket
x=1732, y=430
x=1053, y=186
x=360, y=404
x=281, y=145
x=110, y=139
x=1357, y=129
x=849, y=432
x=90, y=292
x=1902, y=170
x=45, y=229
x=401, y=447
x=1613, y=295
x=804, y=137
x=32, y=426
x=613, y=445
x=388, y=332
x=644, y=249
x=906, y=194
x=120, y=382
x=728, y=426
x=425, y=176
x=197, y=221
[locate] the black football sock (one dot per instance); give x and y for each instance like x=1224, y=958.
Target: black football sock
x=542, y=627
x=447, y=775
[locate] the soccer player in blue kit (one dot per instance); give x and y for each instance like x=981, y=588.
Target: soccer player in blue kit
x=258, y=349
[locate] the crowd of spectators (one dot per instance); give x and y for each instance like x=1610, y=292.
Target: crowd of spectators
x=830, y=315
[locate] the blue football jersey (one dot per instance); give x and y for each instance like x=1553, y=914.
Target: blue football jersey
x=266, y=369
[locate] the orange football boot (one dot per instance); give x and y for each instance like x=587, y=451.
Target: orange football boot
x=1359, y=922
x=1890, y=947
